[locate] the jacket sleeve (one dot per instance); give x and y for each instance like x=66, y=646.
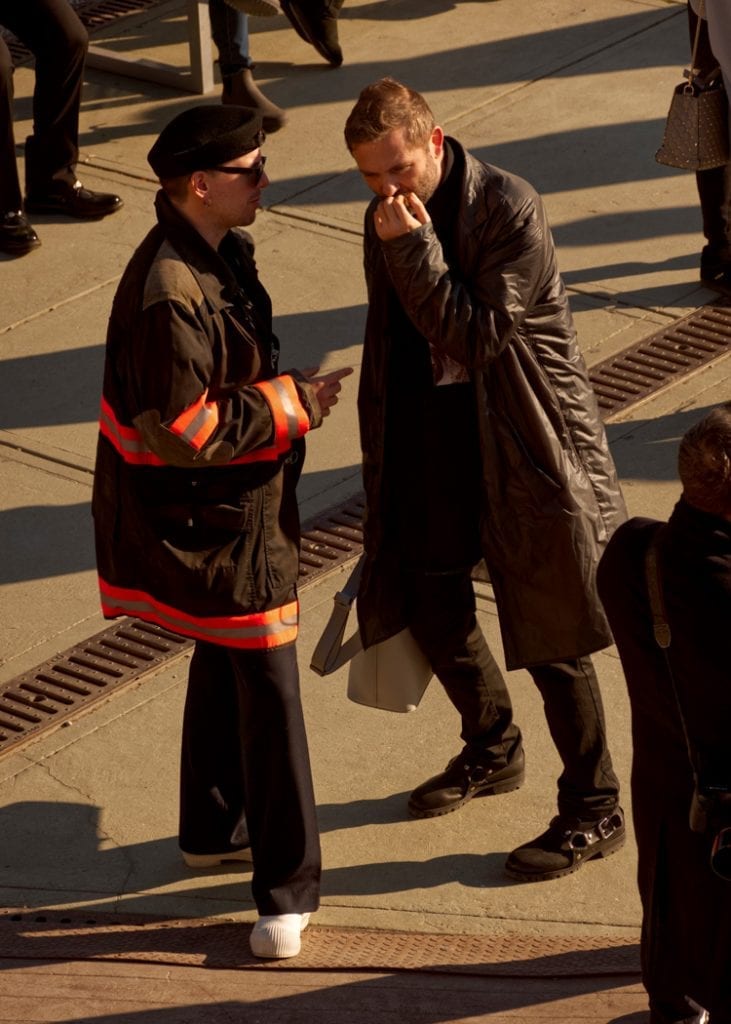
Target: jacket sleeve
x=186, y=420
x=472, y=322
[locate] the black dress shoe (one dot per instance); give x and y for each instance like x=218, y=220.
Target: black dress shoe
x=17, y=237
x=565, y=846
x=465, y=777
x=74, y=201
x=316, y=21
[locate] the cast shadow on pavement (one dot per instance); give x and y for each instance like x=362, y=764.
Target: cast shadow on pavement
x=647, y=449
x=97, y=865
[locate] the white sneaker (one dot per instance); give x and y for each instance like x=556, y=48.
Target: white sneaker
x=278, y=935
x=212, y=860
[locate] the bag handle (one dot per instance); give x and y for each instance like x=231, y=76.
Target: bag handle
x=331, y=653
x=694, y=53
x=692, y=73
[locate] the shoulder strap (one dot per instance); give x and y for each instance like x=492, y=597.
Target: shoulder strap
x=331, y=653
x=660, y=625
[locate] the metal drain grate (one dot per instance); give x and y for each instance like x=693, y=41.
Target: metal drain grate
x=80, y=677
x=332, y=539
x=216, y=943
x=649, y=366
x=70, y=683
x=94, y=14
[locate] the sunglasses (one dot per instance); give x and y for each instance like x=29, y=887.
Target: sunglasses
x=256, y=172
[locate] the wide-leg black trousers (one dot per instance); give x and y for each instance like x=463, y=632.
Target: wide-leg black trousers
x=244, y=753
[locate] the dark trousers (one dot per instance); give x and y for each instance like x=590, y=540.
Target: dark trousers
x=229, y=30
x=244, y=752
x=714, y=185
x=442, y=617
x=53, y=33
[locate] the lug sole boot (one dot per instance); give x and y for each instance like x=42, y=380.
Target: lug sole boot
x=565, y=846
x=465, y=777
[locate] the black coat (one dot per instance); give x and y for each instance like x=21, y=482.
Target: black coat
x=550, y=496
x=686, y=947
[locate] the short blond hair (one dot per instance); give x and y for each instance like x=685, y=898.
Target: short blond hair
x=387, y=105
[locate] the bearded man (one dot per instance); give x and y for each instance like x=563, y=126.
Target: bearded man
x=481, y=440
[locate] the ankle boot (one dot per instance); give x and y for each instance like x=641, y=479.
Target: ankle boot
x=241, y=90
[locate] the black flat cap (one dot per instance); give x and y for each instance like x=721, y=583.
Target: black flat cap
x=203, y=137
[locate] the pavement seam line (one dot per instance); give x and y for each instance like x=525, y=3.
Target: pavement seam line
x=58, y=305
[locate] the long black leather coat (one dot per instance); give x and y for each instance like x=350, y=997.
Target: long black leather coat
x=550, y=495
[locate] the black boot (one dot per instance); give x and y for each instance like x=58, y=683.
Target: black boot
x=467, y=775
x=565, y=846
x=241, y=90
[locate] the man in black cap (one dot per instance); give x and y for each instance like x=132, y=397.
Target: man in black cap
x=54, y=34
x=200, y=448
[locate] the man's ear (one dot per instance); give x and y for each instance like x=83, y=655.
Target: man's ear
x=200, y=184
x=436, y=141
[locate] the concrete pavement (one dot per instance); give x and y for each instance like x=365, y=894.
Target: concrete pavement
x=571, y=96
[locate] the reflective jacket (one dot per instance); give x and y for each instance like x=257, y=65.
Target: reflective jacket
x=199, y=445
x=550, y=495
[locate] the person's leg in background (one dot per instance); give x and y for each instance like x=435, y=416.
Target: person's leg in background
x=17, y=237
x=714, y=185
x=53, y=33
x=230, y=31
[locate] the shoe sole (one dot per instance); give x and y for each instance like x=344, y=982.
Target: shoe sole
x=20, y=250
x=497, y=789
x=613, y=846
x=52, y=208
x=213, y=860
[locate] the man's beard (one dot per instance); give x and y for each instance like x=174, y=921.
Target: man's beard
x=429, y=181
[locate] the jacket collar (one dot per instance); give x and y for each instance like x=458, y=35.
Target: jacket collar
x=689, y=519
x=214, y=275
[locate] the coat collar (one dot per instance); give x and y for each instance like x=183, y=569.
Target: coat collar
x=213, y=273
x=691, y=520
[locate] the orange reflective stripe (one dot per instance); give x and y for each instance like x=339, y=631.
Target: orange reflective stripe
x=127, y=441
x=132, y=447
x=256, y=631
x=291, y=418
x=197, y=423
